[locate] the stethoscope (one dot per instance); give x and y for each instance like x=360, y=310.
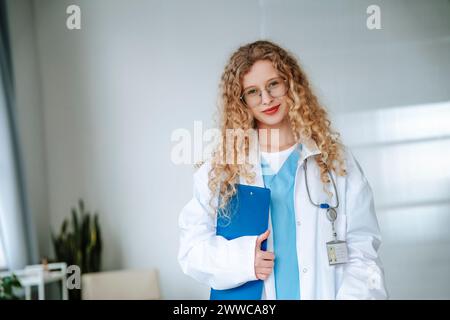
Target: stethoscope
x=331, y=211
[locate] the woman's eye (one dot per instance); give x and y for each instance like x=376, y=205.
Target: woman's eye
x=274, y=84
x=252, y=92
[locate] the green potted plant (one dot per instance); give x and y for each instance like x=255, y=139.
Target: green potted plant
x=79, y=242
x=7, y=286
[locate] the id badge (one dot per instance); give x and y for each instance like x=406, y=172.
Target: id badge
x=337, y=252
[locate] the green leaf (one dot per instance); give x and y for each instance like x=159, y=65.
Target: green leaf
x=64, y=227
x=76, y=225
x=80, y=240
x=81, y=205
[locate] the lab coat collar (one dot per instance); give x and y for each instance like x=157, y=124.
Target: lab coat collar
x=309, y=149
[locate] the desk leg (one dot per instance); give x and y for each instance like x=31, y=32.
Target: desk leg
x=65, y=293
x=41, y=289
x=27, y=293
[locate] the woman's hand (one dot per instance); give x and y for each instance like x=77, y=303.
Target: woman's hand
x=264, y=260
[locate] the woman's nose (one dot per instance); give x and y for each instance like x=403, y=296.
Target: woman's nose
x=266, y=98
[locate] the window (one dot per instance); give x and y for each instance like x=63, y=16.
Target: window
x=2, y=256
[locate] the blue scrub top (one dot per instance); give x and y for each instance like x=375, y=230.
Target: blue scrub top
x=281, y=185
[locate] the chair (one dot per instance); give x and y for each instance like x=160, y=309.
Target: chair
x=121, y=285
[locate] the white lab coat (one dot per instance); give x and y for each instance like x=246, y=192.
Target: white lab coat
x=224, y=264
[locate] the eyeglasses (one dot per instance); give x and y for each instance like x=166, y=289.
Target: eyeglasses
x=276, y=88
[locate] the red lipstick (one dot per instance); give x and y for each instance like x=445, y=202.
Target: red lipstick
x=272, y=110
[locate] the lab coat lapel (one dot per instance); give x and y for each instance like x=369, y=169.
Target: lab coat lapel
x=309, y=148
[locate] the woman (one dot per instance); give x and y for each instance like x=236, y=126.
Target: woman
x=312, y=253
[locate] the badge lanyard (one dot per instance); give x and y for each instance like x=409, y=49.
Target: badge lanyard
x=337, y=250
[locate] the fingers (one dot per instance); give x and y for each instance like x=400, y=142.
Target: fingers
x=264, y=260
x=264, y=264
x=264, y=267
x=266, y=271
x=262, y=237
x=263, y=273
x=261, y=276
x=264, y=255
x=267, y=255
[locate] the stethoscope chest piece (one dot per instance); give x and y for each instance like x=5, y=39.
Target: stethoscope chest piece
x=331, y=215
x=337, y=250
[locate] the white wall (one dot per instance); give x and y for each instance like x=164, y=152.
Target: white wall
x=405, y=153
x=354, y=68
x=115, y=90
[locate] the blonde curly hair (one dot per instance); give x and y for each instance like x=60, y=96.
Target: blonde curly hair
x=308, y=119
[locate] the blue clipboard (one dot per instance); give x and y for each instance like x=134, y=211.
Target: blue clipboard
x=249, y=209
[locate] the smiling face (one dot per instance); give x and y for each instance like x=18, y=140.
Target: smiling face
x=270, y=112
